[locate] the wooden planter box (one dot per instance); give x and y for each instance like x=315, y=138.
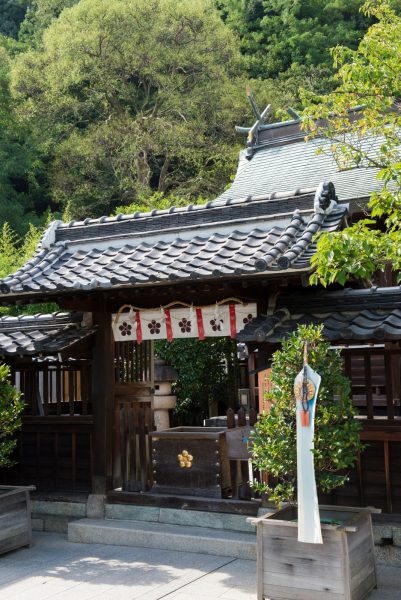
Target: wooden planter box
x=343, y=568
x=205, y=474
x=15, y=517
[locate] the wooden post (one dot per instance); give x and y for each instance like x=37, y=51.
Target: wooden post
x=103, y=403
x=369, y=386
x=252, y=378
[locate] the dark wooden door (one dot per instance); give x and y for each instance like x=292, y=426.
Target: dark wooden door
x=133, y=389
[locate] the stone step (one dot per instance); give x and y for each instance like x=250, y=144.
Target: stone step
x=164, y=536
x=176, y=516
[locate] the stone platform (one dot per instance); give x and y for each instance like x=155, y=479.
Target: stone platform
x=57, y=516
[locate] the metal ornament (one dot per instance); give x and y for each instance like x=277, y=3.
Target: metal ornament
x=185, y=459
x=306, y=388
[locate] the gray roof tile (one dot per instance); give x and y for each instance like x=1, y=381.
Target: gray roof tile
x=250, y=229
x=219, y=249
x=41, y=334
x=298, y=164
x=360, y=315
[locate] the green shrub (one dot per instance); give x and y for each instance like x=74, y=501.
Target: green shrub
x=337, y=442
x=11, y=406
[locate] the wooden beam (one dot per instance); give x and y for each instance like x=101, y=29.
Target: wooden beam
x=103, y=403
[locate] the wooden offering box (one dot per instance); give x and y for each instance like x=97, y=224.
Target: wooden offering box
x=15, y=517
x=342, y=568
x=190, y=461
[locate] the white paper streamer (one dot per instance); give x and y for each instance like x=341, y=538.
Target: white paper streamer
x=216, y=322
x=309, y=529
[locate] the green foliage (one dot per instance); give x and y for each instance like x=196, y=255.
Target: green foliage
x=23, y=195
x=38, y=17
x=336, y=443
x=368, y=76
x=206, y=376
x=12, y=13
x=127, y=110
x=11, y=406
x=283, y=39
x=105, y=112
x=13, y=254
x=158, y=201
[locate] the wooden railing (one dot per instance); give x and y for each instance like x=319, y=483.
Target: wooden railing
x=54, y=450
x=59, y=388
x=375, y=374
x=133, y=362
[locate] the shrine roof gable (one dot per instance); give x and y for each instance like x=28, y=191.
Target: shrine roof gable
x=251, y=236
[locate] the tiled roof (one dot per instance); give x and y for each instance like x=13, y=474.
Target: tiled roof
x=297, y=163
x=42, y=333
x=361, y=315
x=269, y=233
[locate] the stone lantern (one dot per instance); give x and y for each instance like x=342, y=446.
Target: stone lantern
x=163, y=399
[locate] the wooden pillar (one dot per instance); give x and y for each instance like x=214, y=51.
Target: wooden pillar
x=103, y=403
x=252, y=380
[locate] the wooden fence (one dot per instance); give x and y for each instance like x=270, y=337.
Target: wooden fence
x=53, y=453
x=135, y=424
x=54, y=449
x=239, y=428
x=375, y=374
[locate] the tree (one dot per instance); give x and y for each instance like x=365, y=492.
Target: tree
x=283, y=39
x=128, y=110
x=206, y=376
x=11, y=407
x=9, y=255
x=12, y=13
x=368, y=77
x=336, y=442
x=23, y=190
x=14, y=157
x=39, y=15
x=14, y=252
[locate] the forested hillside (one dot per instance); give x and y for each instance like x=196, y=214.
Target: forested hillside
x=109, y=104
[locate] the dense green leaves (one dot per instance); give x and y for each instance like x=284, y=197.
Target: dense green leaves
x=336, y=443
x=39, y=15
x=12, y=13
x=289, y=40
x=206, y=377
x=128, y=110
x=15, y=252
x=105, y=112
x=369, y=76
x=11, y=406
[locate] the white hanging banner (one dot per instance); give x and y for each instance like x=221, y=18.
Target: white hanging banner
x=184, y=322
x=306, y=388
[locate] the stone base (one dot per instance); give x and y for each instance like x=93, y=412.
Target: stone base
x=164, y=537
x=95, y=506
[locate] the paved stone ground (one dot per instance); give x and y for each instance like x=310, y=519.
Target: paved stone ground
x=56, y=569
